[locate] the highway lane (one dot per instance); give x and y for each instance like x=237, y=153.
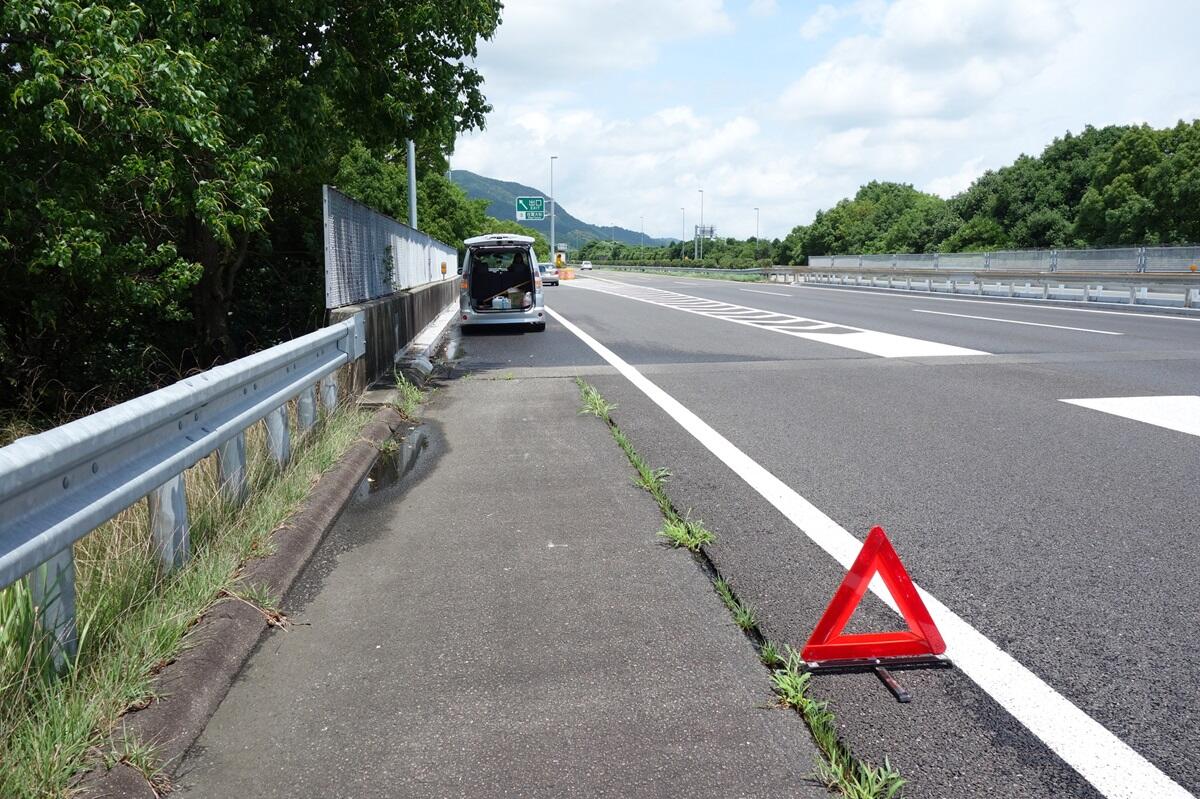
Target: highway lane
x=1057, y=531
x=1042, y=329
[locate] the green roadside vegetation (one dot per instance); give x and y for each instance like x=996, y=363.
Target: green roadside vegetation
x=837, y=767
x=1120, y=185
x=133, y=619
x=161, y=166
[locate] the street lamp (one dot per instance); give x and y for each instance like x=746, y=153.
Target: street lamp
x=682, y=230
x=642, y=246
x=700, y=232
x=553, y=250
x=756, y=232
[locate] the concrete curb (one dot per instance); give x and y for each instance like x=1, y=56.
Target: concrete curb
x=193, y=686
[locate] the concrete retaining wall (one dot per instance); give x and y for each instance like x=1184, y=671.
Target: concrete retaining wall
x=392, y=322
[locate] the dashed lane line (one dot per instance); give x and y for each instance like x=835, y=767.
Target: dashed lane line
x=1113, y=767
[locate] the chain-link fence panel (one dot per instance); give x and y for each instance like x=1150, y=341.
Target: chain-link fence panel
x=1173, y=259
x=369, y=254
x=962, y=261
x=1123, y=259
x=1020, y=261
x=916, y=261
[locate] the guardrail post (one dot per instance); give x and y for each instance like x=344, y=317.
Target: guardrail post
x=278, y=436
x=1143, y=260
x=306, y=410
x=329, y=393
x=1054, y=260
x=1085, y=291
x=231, y=466
x=52, y=587
x=1132, y=295
x=169, y=523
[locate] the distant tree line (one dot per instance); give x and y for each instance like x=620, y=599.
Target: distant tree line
x=161, y=164
x=1112, y=186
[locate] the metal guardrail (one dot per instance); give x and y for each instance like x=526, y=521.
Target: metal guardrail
x=1165, y=291
x=1162, y=289
x=1115, y=259
x=58, y=486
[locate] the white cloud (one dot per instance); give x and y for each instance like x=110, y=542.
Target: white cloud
x=931, y=92
x=820, y=22
x=762, y=8
x=554, y=41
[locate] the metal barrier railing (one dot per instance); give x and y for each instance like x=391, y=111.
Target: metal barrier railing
x=1115, y=259
x=58, y=486
x=1132, y=288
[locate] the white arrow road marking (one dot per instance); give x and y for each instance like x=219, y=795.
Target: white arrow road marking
x=1114, y=768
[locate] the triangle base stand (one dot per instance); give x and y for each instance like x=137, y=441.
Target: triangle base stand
x=882, y=668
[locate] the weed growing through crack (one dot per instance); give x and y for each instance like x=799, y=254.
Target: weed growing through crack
x=742, y=613
x=142, y=757
x=408, y=396
x=685, y=534
x=839, y=769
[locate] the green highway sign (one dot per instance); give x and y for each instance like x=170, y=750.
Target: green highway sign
x=531, y=209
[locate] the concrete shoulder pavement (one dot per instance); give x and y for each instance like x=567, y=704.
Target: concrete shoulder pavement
x=504, y=623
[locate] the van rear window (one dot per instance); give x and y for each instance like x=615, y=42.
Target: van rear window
x=500, y=260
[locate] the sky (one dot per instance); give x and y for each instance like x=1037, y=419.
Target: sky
x=791, y=106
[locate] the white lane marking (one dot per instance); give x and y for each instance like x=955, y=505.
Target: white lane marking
x=681, y=283
x=872, y=342
x=905, y=294
x=1018, y=322
x=1180, y=413
x=759, y=291
x=1115, y=769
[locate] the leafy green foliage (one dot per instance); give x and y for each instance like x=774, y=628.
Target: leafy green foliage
x=159, y=162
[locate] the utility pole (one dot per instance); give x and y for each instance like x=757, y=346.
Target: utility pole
x=700, y=236
x=682, y=230
x=412, y=184
x=642, y=246
x=553, y=249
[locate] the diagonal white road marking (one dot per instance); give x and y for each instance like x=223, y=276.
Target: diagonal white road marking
x=1018, y=322
x=1180, y=413
x=871, y=342
x=1115, y=769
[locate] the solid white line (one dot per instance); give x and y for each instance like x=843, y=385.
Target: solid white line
x=1180, y=413
x=1018, y=322
x=1103, y=759
x=905, y=294
x=776, y=293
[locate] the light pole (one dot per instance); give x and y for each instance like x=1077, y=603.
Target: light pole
x=553, y=250
x=642, y=246
x=682, y=230
x=756, y=233
x=700, y=234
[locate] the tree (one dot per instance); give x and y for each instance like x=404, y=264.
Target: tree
x=150, y=150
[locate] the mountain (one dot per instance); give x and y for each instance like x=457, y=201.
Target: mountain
x=501, y=196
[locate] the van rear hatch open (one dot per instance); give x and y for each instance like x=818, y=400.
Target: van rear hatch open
x=501, y=278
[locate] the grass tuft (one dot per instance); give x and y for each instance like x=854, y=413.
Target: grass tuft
x=685, y=534
x=593, y=401
x=742, y=614
x=839, y=769
x=133, y=617
x=408, y=396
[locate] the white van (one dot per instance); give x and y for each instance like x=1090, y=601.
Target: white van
x=501, y=283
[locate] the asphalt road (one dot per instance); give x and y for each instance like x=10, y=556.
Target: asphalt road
x=1065, y=535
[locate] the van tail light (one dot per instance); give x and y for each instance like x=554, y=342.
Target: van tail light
x=463, y=285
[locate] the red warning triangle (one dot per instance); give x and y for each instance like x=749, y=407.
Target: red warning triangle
x=921, y=638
